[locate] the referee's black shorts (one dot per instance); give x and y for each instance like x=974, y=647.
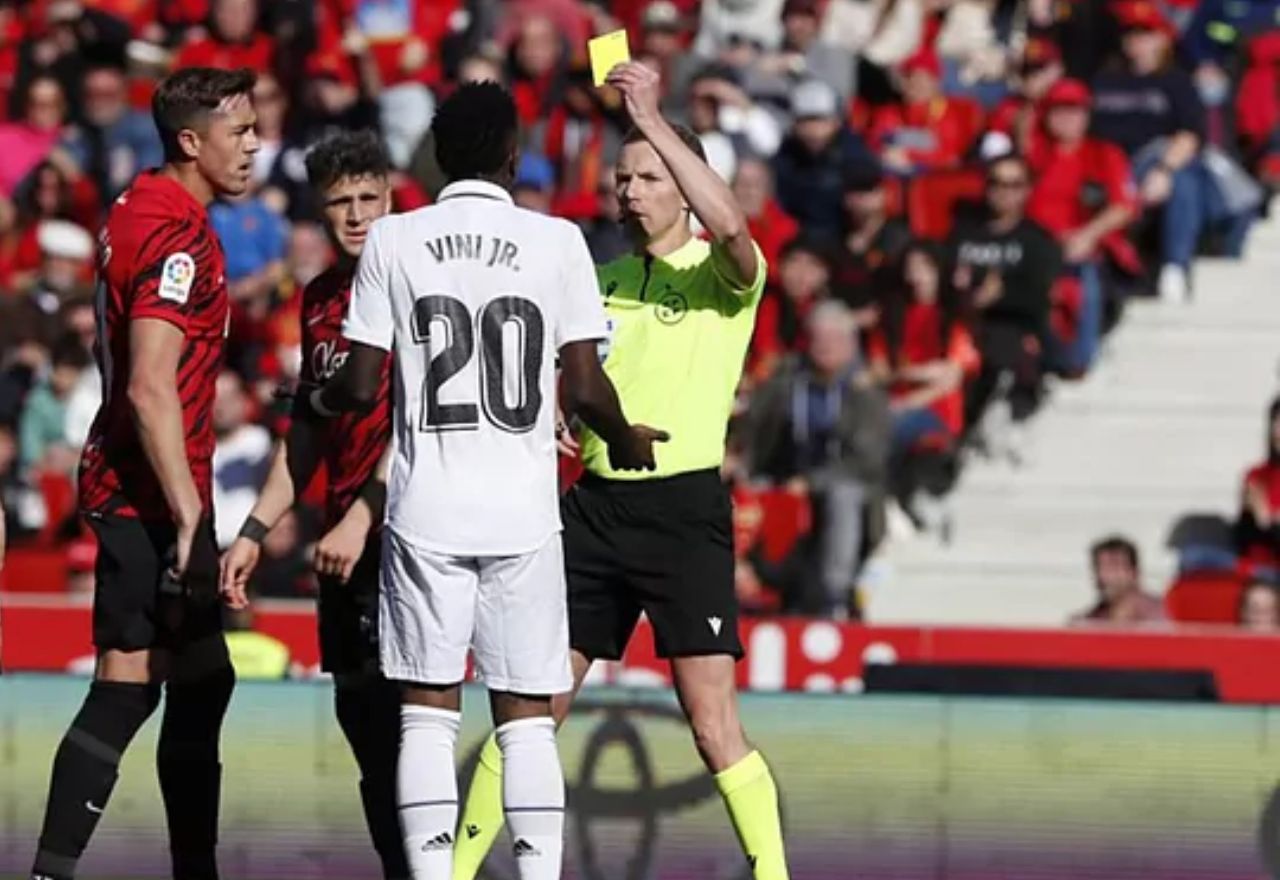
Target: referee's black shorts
x=129, y=613
x=663, y=546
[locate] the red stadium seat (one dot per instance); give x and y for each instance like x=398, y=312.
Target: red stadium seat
x=59, y=500
x=932, y=199
x=787, y=518
x=1205, y=597
x=35, y=570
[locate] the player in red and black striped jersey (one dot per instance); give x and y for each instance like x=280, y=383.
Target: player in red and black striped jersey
x=145, y=483
x=349, y=173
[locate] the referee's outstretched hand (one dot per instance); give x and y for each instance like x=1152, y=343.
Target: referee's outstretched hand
x=636, y=454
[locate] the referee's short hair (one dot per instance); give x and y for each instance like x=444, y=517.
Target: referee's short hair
x=475, y=131
x=187, y=98
x=347, y=154
x=686, y=135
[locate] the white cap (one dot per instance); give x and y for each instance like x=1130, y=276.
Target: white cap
x=62, y=238
x=147, y=54
x=814, y=98
x=995, y=145
x=661, y=14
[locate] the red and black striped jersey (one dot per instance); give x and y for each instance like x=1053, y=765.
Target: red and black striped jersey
x=158, y=258
x=352, y=442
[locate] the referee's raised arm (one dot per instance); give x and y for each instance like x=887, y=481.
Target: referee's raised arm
x=708, y=197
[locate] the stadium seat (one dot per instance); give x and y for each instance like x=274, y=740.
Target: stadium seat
x=35, y=570
x=787, y=518
x=59, y=501
x=932, y=198
x=1205, y=597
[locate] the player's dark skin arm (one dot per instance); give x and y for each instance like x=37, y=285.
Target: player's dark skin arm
x=590, y=396
x=355, y=386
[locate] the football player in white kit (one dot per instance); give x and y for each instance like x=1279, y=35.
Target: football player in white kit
x=476, y=298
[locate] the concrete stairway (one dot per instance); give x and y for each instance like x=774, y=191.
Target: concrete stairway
x=1163, y=427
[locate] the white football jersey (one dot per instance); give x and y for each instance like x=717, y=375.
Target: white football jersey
x=474, y=296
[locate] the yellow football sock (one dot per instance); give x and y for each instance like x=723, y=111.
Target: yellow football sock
x=752, y=798
x=482, y=815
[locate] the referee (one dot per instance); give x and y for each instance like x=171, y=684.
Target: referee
x=681, y=312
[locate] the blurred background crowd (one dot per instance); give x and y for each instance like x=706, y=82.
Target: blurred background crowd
x=956, y=198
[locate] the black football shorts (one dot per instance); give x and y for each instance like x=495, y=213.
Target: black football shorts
x=663, y=546
x=349, y=616
x=129, y=610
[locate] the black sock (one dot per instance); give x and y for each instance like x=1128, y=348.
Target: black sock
x=369, y=715
x=190, y=773
x=85, y=769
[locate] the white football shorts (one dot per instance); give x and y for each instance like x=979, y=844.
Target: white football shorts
x=510, y=611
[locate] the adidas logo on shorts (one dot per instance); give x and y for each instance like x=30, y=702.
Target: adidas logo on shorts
x=444, y=840
x=525, y=848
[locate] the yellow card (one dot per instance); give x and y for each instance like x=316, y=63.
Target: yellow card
x=607, y=52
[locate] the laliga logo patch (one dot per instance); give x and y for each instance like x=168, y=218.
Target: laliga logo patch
x=177, y=276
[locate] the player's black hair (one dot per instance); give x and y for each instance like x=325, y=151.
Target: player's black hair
x=186, y=99
x=686, y=135
x=475, y=131
x=347, y=154
x=1116, y=544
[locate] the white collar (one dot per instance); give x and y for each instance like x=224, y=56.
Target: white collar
x=480, y=189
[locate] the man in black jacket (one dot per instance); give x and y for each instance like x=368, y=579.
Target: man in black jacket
x=1007, y=265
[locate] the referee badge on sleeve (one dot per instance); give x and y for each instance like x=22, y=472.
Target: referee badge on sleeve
x=176, y=277
x=604, y=345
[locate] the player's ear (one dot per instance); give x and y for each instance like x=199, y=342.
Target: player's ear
x=513, y=161
x=189, y=143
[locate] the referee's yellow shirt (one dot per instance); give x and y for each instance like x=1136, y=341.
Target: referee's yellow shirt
x=678, y=335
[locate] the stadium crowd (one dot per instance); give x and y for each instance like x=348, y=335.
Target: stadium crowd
x=955, y=198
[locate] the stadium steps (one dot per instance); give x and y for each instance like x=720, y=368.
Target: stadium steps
x=1162, y=428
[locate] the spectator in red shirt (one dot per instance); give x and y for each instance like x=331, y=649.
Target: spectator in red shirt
x=233, y=41
x=1258, y=528
x=922, y=350
x=927, y=129
x=28, y=141
x=1083, y=194
x=1257, y=109
x=405, y=37
x=538, y=66
x=580, y=143
x=1018, y=115
x=56, y=190
x=770, y=226
x=804, y=276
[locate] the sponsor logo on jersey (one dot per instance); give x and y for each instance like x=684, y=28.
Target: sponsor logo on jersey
x=326, y=360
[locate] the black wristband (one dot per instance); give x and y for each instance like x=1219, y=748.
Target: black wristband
x=254, y=529
x=374, y=493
